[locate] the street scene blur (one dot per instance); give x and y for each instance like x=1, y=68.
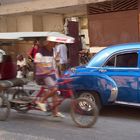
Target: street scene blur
x=69, y=70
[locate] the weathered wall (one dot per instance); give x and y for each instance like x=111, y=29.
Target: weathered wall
x=3, y=24
x=37, y=23
x=25, y=23
x=16, y=23
x=53, y=22
x=11, y=22
x=113, y=28
x=4, y=2
x=41, y=5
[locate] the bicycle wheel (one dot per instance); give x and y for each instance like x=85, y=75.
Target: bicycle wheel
x=4, y=108
x=84, y=112
x=21, y=108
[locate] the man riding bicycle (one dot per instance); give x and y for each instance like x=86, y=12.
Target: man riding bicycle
x=45, y=72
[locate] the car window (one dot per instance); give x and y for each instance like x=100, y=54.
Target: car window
x=111, y=62
x=123, y=60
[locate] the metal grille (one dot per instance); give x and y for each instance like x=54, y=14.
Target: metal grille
x=112, y=6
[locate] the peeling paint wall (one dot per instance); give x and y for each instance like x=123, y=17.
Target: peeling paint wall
x=113, y=28
x=3, y=24
x=53, y=22
x=24, y=23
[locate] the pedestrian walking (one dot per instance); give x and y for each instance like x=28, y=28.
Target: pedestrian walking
x=60, y=54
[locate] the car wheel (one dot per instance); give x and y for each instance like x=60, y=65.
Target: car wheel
x=94, y=97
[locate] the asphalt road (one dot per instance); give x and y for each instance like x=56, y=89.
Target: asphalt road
x=114, y=123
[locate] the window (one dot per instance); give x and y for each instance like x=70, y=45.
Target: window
x=111, y=62
x=123, y=60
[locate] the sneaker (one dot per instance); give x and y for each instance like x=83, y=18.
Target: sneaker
x=59, y=115
x=42, y=106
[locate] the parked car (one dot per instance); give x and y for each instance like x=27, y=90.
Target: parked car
x=7, y=66
x=111, y=76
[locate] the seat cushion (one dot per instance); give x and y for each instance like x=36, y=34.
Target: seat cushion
x=12, y=83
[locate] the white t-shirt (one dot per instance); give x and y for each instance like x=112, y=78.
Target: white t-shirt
x=83, y=43
x=39, y=58
x=48, y=61
x=21, y=63
x=62, y=50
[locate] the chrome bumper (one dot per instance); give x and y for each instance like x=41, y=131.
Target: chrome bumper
x=113, y=95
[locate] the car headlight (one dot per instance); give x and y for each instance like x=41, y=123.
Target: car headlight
x=69, y=72
x=73, y=70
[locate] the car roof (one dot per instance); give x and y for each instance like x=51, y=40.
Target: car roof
x=120, y=47
x=101, y=56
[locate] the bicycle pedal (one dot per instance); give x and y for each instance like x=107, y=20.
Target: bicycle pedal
x=26, y=98
x=18, y=101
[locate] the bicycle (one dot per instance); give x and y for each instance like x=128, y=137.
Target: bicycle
x=83, y=111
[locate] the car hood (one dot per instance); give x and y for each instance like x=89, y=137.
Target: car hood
x=84, y=70
x=80, y=70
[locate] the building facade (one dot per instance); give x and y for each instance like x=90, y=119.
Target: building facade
x=105, y=22
x=114, y=22
x=42, y=15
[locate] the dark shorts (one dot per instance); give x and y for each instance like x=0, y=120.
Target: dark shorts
x=49, y=81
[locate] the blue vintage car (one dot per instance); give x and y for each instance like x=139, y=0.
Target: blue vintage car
x=111, y=76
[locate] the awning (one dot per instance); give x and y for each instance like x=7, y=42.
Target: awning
x=52, y=36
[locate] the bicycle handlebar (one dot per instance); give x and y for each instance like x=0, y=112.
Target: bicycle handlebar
x=66, y=81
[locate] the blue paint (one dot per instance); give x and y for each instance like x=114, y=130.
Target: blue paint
x=95, y=76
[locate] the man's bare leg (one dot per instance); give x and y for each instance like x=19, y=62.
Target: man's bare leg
x=52, y=93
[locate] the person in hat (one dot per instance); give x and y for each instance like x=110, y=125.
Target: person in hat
x=45, y=74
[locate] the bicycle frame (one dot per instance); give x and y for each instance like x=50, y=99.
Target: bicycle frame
x=65, y=94
x=81, y=108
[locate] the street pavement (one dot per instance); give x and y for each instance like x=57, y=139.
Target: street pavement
x=114, y=123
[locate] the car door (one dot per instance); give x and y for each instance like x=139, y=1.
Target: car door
x=123, y=68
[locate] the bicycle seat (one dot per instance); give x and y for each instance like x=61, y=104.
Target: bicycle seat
x=4, y=84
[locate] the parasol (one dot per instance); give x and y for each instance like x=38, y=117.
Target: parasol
x=59, y=37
